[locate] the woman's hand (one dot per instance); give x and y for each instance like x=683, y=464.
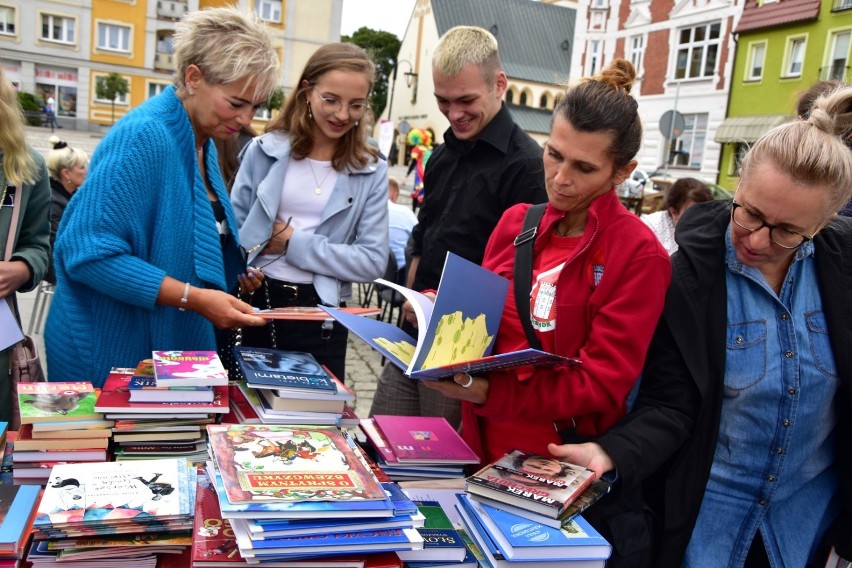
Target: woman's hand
x=281, y=234
x=222, y=309
x=251, y=280
x=589, y=455
x=13, y=275
x=462, y=387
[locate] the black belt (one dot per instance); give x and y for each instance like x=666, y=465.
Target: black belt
x=293, y=293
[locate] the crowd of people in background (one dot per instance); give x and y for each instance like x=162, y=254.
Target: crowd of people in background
x=714, y=389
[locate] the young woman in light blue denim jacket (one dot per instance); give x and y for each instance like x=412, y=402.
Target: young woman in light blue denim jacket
x=311, y=201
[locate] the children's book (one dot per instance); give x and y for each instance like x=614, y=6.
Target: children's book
x=309, y=313
x=541, y=484
x=274, y=368
x=290, y=463
x=57, y=402
x=17, y=508
x=189, y=369
x=522, y=540
x=457, y=331
x=440, y=539
x=422, y=440
x=115, y=398
x=26, y=441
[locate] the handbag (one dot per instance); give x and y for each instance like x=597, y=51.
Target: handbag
x=25, y=364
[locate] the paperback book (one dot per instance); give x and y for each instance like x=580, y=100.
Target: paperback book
x=457, y=331
x=273, y=368
x=310, y=313
x=57, y=402
x=541, y=484
x=189, y=369
x=421, y=440
x=17, y=508
x=290, y=463
x=26, y=442
x=114, y=398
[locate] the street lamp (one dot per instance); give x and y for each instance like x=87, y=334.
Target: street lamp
x=410, y=79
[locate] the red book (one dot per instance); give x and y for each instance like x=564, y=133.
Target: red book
x=115, y=397
x=424, y=440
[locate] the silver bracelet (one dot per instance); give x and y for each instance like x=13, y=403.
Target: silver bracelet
x=184, y=300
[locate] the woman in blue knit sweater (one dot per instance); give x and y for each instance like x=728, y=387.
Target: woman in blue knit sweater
x=148, y=248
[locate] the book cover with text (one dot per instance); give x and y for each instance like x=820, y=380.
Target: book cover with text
x=57, y=402
x=274, y=368
x=189, y=369
x=424, y=440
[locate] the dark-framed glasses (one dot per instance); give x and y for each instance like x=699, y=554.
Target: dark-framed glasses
x=247, y=252
x=784, y=238
x=332, y=105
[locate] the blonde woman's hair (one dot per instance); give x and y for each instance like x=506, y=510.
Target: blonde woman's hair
x=352, y=149
x=812, y=151
x=228, y=45
x=18, y=166
x=463, y=45
x=64, y=158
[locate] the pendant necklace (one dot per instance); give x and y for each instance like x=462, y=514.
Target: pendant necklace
x=318, y=188
x=569, y=231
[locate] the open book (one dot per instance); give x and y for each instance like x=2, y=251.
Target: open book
x=456, y=333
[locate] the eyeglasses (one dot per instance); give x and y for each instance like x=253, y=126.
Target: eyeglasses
x=332, y=106
x=247, y=252
x=784, y=238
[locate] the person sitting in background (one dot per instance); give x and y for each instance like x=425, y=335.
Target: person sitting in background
x=740, y=432
x=401, y=221
x=684, y=193
x=68, y=167
x=147, y=251
x=599, y=280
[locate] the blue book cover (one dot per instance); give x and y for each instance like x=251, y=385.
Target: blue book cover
x=440, y=539
x=457, y=330
x=521, y=539
x=475, y=529
x=407, y=538
x=17, y=503
x=296, y=509
x=264, y=531
x=278, y=369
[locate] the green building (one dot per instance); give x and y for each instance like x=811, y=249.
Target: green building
x=783, y=47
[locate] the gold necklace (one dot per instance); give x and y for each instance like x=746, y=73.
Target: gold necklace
x=318, y=188
x=569, y=231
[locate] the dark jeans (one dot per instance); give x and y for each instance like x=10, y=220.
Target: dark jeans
x=324, y=340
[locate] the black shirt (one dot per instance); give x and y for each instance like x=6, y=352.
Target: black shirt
x=468, y=185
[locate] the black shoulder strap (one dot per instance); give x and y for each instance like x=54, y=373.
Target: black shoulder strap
x=524, y=244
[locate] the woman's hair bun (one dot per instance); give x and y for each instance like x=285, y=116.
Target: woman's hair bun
x=619, y=74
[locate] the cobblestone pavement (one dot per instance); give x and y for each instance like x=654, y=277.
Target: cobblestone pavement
x=362, y=362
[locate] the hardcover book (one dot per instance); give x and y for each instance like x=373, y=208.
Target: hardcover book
x=423, y=440
x=26, y=441
x=541, y=484
x=17, y=508
x=522, y=540
x=281, y=403
x=57, y=402
x=440, y=539
x=457, y=331
x=290, y=463
x=115, y=398
x=189, y=369
x=273, y=368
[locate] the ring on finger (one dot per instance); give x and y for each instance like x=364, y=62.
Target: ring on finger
x=469, y=381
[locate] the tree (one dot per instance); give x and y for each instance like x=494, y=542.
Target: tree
x=276, y=99
x=383, y=48
x=110, y=87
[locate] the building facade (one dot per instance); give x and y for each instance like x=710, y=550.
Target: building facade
x=62, y=48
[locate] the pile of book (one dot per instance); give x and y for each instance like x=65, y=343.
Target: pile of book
x=108, y=513
x=161, y=407
x=302, y=492
x=288, y=387
x=17, y=510
x=417, y=447
x=59, y=424
x=525, y=508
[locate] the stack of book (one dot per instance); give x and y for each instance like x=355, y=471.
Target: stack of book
x=17, y=510
x=173, y=427
x=417, y=447
x=525, y=508
x=442, y=543
x=59, y=424
x=305, y=492
x=86, y=505
x=288, y=387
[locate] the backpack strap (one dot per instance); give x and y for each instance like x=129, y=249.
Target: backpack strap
x=524, y=244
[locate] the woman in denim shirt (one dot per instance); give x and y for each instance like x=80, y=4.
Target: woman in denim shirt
x=745, y=409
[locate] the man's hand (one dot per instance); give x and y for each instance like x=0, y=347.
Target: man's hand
x=589, y=455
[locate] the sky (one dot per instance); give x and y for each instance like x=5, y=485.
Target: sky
x=387, y=15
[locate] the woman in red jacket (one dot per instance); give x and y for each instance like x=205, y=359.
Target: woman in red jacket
x=599, y=281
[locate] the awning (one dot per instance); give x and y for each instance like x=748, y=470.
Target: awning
x=748, y=128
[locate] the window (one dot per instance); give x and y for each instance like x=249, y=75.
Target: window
x=637, y=52
x=57, y=28
x=269, y=10
x=510, y=96
x=740, y=150
x=795, y=57
x=594, y=53
x=166, y=43
x=837, y=65
x=756, y=59
x=697, y=49
x=263, y=113
x=155, y=89
x=7, y=20
x=113, y=38
x=523, y=99
x=543, y=102
x=119, y=99
x=688, y=149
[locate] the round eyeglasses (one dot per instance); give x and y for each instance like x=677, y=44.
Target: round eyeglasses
x=332, y=105
x=784, y=238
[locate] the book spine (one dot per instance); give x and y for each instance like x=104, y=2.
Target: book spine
x=516, y=491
